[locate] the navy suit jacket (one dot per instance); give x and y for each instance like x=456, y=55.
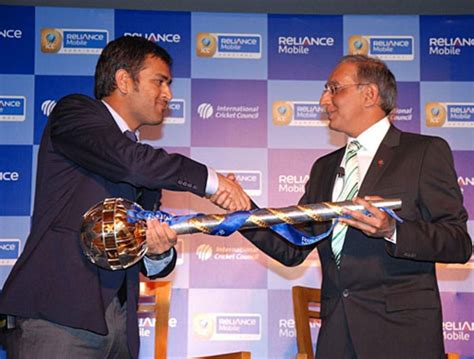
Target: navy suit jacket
x=385, y=298
x=83, y=159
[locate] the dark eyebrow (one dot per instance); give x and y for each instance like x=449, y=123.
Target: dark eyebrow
x=165, y=78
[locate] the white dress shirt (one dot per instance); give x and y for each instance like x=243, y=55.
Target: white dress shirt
x=370, y=141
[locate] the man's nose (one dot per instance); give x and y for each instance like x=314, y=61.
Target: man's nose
x=325, y=98
x=167, y=93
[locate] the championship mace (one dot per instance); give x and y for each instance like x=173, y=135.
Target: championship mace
x=113, y=233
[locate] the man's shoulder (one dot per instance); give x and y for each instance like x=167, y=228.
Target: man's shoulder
x=78, y=105
x=77, y=98
x=330, y=156
x=420, y=140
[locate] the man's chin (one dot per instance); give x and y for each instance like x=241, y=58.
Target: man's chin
x=158, y=120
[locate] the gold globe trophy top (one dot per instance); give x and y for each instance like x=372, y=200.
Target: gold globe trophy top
x=109, y=239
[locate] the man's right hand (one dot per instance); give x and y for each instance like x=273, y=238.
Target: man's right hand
x=230, y=195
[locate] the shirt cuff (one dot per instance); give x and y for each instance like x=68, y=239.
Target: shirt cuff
x=393, y=238
x=212, y=184
x=156, y=266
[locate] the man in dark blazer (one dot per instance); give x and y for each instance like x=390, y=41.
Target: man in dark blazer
x=65, y=306
x=381, y=298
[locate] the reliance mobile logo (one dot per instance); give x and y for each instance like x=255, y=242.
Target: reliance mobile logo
x=292, y=183
x=458, y=330
x=228, y=326
x=465, y=181
x=9, y=251
x=47, y=107
x=449, y=114
x=287, y=327
x=9, y=176
x=387, y=48
x=449, y=46
x=10, y=34
x=251, y=181
x=157, y=37
x=299, y=113
x=73, y=41
x=229, y=46
x=176, y=112
x=302, y=45
x=12, y=108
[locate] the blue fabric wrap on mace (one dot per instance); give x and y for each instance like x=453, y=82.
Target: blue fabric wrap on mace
x=233, y=221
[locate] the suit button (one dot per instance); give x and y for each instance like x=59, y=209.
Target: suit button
x=345, y=293
x=180, y=182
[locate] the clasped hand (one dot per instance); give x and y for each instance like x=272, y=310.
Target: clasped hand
x=375, y=223
x=230, y=195
x=159, y=237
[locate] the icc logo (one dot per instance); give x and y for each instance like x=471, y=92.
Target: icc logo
x=435, y=114
x=282, y=113
x=51, y=40
x=205, y=110
x=206, y=44
x=358, y=45
x=47, y=107
x=204, y=252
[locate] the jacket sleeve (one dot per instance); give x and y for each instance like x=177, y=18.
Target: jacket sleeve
x=441, y=234
x=84, y=131
x=276, y=246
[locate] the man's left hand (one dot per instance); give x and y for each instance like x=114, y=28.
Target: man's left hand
x=159, y=237
x=375, y=224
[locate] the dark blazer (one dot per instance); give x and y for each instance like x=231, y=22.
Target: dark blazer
x=83, y=159
x=385, y=298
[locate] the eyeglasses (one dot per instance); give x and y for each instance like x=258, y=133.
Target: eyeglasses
x=335, y=89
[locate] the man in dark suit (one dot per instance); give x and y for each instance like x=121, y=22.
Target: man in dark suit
x=65, y=306
x=380, y=297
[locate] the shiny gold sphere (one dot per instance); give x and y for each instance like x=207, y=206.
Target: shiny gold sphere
x=109, y=239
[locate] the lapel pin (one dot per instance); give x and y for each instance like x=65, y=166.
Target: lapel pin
x=380, y=163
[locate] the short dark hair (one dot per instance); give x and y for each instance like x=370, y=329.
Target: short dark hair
x=373, y=70
x=128, y=53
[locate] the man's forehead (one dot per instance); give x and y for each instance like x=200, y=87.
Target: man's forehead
x=343, y=71
x=156, y=66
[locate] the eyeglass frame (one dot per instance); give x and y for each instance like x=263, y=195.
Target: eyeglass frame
x=334, y=89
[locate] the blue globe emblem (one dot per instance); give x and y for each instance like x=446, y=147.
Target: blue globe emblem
x=206, y=41
x=358, y=44
x=51, y=37
x=435, y=111
x=281, y=110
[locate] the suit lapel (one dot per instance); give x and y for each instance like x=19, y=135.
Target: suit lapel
x=324, y=187
x=329, y=179
x=381, y=161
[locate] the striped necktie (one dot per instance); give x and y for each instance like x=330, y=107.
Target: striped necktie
x=349, y=191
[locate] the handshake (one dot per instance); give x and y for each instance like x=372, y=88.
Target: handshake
x=229, y=196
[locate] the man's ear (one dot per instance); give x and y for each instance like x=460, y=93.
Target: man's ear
x=123, y=81
x=371, y=95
